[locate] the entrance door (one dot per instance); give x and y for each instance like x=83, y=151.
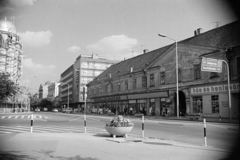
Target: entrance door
x=182, y=104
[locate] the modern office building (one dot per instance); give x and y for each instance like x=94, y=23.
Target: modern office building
x=84, y=70
x=53, y=90
x=147, y=83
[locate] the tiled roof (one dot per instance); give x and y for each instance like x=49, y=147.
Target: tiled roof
x=222, y=37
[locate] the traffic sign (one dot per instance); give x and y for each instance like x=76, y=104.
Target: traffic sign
x=211, y=65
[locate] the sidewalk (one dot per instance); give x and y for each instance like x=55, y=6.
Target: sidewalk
x=80, y=146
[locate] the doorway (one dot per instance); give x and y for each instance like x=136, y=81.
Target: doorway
x=182, y=103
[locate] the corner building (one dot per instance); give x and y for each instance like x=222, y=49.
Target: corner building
x=147, y=83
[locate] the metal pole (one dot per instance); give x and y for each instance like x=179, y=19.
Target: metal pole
x=229, y=93
x=177, y=81
x=85, y=122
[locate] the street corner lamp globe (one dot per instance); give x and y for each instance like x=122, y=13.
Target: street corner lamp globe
x=161, y=35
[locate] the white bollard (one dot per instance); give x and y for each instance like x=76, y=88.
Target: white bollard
x=31, y=123
x=205, y=137
x=85, y=124
x=143, y=126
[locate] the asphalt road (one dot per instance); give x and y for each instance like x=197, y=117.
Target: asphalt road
x=220, y=135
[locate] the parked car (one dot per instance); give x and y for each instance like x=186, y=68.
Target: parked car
x=67, y=110
x=37, y=110
x=55, y=110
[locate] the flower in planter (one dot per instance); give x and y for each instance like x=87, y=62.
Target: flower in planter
x=120, y=122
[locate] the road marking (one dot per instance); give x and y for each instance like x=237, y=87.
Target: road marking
x=28, y=117
x=3, y=117
x=16, y=117
x=50, y=129
x=22, y=117
x=9, y=117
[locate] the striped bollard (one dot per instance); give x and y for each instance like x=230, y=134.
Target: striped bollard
x=143, y=126
x=85, y=124
x=31, y=123
x=205, y=137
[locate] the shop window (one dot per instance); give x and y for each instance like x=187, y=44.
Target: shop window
x=215, y=103
x=152, y=84
x=134, y=83
x=162, y=78
x=126, y=85
x=144, y=81
x=197, y=104
x=197, y=71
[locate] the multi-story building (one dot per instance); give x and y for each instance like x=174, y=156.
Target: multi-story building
x=43, y=91
x=53, y=90
x=10, y=50
x=84, y=70
x=147, y=83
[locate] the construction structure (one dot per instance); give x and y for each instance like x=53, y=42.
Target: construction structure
x=11, y=54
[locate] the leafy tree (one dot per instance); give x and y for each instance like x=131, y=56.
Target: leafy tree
x=46, y=103
x=7, y=87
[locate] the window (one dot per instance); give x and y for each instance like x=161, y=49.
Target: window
x=215, y=103
x=134, y=83
x=144, y=81
x=119, y=87
x=213, y=74
x=126, y=85
x=197, y=71
x=238, y=65
x=162, y=77
x=197, y=104
x=152, y=84
x=111, y=89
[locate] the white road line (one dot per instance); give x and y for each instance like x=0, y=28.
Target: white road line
x=16, y=117
x=22, y=117
x=9, y=117
x=40, y=116
x=28, y=117
x=3, y=117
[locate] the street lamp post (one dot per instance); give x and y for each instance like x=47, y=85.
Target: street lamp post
x=162, y=35
x=27, y=88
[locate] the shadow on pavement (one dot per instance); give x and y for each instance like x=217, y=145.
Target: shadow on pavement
x=15, y=155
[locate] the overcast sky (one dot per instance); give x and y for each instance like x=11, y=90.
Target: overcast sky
x=55, y=32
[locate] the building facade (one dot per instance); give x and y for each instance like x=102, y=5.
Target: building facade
x=84, y=70
x=53, y=90
x=147, y=83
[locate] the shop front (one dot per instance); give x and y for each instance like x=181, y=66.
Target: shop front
x=212, y=100
x=145, y=103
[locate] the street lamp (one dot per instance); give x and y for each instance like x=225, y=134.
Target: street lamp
x=27, y=87
x=162, y=35
x=68, y=94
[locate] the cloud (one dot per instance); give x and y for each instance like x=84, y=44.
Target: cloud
x=38, y=68
x=74, y=49
x=117, y=46
x=22, y=2
x=36, y=39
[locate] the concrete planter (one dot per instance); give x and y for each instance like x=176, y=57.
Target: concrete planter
x=118, y=131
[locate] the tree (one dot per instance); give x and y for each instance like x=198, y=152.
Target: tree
x=7, y=87
x=45, y=103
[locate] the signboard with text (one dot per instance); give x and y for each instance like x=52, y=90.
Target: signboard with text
x=211, y=65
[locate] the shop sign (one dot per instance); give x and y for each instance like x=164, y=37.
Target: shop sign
x=216, y=88
x=104, y=99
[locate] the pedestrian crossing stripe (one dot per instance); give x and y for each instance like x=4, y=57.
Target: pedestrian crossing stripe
x=49, y=129
x=22, y=117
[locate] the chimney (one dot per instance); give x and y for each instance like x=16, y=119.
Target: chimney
x=145, y=51
x=198, y=30
x=195, y=33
